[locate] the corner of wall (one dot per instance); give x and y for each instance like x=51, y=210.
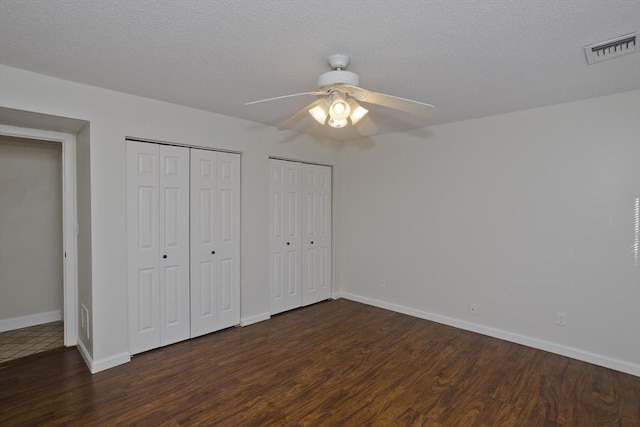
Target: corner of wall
x=96, y=366
x=83, y=210
x=250, y=320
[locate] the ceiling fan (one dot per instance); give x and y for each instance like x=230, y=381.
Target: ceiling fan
x=340, y=98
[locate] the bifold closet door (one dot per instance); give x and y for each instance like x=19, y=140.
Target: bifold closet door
x=285, y=209
x=215, y=241
x=316, y=233
x=157, y=245
x=300, y=234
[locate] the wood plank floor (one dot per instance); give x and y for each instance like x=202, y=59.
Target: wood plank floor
x=337, y=363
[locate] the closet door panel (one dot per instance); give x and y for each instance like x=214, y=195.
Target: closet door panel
x=228, y=240
x=174, y=244
x=277, y=268
x=215, y=241
x=285, y=264
x=143, y=251
x=316, y=214
x=323, y=236
x=204, y=202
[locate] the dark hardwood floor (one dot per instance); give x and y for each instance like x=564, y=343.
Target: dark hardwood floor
x=335, y=363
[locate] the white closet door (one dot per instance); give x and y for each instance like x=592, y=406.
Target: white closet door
x=174, y=244
x=215, y=241
x=316, y=235
x=143, y=251
x=157, y=245
x=228, y=240
x=285, y=263
x=204, y=270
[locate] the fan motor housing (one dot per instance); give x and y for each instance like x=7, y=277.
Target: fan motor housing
x=338, y=77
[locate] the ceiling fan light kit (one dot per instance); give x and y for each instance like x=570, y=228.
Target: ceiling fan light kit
x=338, y=123
x=341, y=92
x=339, y=108
x=319, y=113
x=340, y=111
x=357, y=111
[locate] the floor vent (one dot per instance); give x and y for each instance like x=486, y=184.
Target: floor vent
x=610, y=49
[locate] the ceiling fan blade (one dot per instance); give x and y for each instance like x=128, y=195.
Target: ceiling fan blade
x=407, y=105
x=297, y=116
x=286, y=96
x=366, y=126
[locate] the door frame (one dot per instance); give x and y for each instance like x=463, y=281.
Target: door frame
x=69, y=221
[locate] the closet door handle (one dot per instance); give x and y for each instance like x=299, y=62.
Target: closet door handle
x=288, y=243
x=312, y=242
x=164, y=256
x=213, y=252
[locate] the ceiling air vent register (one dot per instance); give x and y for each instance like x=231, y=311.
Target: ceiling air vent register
x=610, y=49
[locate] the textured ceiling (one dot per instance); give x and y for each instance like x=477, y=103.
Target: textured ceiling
x=470, y=58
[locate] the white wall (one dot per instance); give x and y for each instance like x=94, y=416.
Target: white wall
x=114, y=116
x=31, y=275
x=525, y=214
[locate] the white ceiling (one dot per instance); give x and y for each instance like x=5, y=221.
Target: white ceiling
x=470, y=58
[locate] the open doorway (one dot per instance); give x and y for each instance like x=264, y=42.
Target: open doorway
x=31, y=247
x=37, y=242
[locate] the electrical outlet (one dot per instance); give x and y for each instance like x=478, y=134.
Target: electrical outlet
x=383, y=283
x=561, y=319
x=473, y=308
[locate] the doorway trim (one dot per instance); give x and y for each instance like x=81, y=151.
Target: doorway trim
x=69, y=221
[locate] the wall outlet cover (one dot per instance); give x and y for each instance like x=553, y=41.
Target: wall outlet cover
x=561, y=319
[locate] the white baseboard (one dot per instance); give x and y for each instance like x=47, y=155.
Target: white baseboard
x=30, y=320
x=336, y=295
x=246, y=321
x=96, y=366
x=85, y=354
x=574, y=353
x=110, y=362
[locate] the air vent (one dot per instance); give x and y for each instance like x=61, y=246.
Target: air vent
x=610, y=49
